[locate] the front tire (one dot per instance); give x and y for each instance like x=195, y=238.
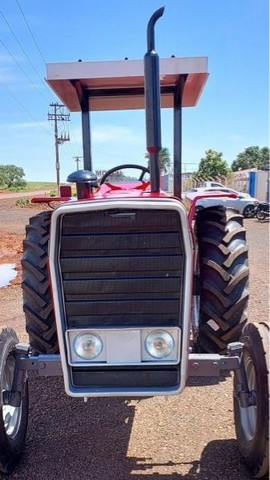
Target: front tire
x=260, y=215
x=249, y=211
x=252, y=423
x=37, y=295
x=13, y=420
x=223, y=278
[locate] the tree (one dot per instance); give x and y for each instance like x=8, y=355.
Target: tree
x=11, y=176
x=164, y=159
x=212, y=165
x=252, y=157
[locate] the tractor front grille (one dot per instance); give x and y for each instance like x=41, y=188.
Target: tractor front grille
x=121, y=268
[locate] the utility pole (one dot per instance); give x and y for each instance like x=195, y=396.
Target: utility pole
x=58, y=115
x=77, y=160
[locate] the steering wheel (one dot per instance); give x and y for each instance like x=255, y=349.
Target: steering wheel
x=121, y=167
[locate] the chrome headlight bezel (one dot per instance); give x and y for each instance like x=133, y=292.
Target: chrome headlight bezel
x=81, y=339
x=153, y=344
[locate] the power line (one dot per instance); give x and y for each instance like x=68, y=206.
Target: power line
x=22, y=106
x=34, y=40
x=26, y=75
x=30, y=31
x=39, y=51
x=22, y=49
x=71, y=148
x=62, y=138
x=24, y=72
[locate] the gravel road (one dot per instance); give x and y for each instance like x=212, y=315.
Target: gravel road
x=188, y=437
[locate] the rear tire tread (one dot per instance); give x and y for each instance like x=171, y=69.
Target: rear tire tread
x=37, y=296
x=224, y=274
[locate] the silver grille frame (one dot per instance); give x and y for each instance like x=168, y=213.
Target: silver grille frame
x=54, y=265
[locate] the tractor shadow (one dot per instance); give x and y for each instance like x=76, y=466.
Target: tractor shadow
x=68, y=439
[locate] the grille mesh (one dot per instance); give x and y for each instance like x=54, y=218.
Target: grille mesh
x=121, y=268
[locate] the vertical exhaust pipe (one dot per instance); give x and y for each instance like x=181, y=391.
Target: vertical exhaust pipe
x=152, y=102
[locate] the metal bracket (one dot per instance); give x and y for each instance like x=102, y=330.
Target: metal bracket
x=46, y=365
x=211, y=365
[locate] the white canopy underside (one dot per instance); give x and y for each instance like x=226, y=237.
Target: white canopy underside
x=119, y=85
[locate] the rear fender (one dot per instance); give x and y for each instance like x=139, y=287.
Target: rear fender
x=192, y=210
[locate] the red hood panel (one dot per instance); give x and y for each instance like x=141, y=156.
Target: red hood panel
x=130, y=190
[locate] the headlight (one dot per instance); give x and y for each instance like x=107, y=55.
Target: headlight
x=87, y=345
x=123, y=346
x=159, y=344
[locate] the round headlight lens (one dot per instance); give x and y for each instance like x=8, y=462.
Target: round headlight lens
x=159, y=344
x=87, y=345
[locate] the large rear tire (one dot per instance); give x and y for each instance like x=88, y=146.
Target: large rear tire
x=223, y=278
x=13, y=420
x=252, y=423
x=37, y=296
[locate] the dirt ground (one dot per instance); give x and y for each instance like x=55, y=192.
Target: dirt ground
x=185, y=437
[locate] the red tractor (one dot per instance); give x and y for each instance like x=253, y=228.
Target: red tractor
x=124, y=294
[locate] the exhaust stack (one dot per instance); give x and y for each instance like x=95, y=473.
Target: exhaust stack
x=152, y=102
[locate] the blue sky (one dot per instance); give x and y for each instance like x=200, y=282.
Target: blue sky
x=231, y=115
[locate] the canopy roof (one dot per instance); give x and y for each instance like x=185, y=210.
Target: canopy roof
x=119, y=85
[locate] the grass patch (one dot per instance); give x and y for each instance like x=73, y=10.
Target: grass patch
x=22, y=202
x=32, y=186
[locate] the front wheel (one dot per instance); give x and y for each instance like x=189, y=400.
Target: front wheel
x=251, y=423
x=261, y=215
x=13, y=420
x=249, y=211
